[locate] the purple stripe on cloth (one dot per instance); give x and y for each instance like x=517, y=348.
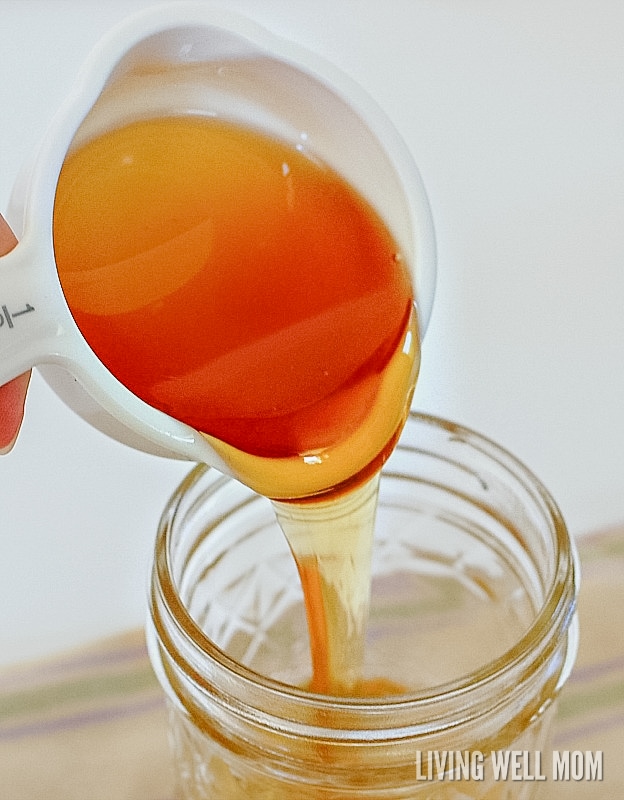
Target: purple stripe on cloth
x=81, y=719
x=43, y=672
x=580, y=732
x=590, y=672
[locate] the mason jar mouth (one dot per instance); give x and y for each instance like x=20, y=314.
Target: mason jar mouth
x=542, y=655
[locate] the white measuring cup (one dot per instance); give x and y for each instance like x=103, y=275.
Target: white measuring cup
x=190, y=58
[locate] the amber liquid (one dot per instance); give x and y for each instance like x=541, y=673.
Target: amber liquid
x=244, y=288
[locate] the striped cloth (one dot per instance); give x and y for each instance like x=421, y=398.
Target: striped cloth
x=91, y=725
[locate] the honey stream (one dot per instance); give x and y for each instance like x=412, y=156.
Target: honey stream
x=243, y=287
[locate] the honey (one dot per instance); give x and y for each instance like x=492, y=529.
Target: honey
x=243, y=287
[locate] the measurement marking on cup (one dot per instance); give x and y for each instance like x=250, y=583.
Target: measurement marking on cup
x=8, y=316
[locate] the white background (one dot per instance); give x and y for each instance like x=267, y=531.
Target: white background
x=514, y=112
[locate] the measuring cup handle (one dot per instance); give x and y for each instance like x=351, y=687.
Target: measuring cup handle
x=31, y=310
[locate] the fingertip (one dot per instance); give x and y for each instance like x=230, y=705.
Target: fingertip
x=7, y=237
x=12, y=402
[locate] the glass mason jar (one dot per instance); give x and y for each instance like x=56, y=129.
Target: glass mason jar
x=472, y=612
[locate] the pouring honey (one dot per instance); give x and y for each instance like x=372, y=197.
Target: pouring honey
x=241, y=285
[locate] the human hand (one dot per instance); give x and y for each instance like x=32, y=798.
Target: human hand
x=12, y=394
